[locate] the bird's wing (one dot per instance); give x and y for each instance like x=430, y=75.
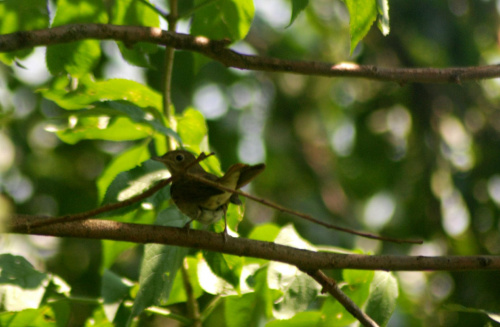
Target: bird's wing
x=193, y=191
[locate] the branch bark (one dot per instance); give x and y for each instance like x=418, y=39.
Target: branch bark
x=217, y=50
x=331, y=286
x=304, y=259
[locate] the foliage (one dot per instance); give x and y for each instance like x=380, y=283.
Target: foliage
x=413, y=161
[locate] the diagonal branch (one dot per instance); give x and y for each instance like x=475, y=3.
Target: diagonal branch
x=105, y=208
x=302, y=215
x=304, y=259
x=331, y=286
x=217, y=50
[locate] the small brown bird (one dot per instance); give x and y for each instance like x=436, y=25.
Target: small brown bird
x=197, y=200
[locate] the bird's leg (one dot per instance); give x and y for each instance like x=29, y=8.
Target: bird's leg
x=187, y=226
x=224, y=233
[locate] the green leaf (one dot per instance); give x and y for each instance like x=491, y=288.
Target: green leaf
x=383, y=295
x=298, y=288
x=113, y=291
x=135, y=181
x=111, y=250
x=16, y=270
x=42, y=317
x=301, y=319
x=90, y=91
x=357, y=289
x=495, y=316
x=76, y=58
x=223, y=19
x=193, y=130
x=98, y=319
x=383, y=19
x=266, y=232
x=144, y=116
x=159, y=266
x=297, y=7
x=21, y=286
x=255, y=303
x=23, y=15
x=222, y=267
x=362, y=13
x=178, y=292
x=124, y=161
x=135, y=13
x=103, y=128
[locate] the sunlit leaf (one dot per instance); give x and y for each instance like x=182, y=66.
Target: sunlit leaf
x=362, y=14
x=221, y=267
x=298, y=288
x=41, y=317
x=135, y=13
x=383, y=19
x=301, y=319
x=21, y=16
x=383, y=295
x=76, y=58
x=103, y=128
x=21, y=286
x=90, y=91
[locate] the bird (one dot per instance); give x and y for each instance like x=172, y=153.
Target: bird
x=200, y=201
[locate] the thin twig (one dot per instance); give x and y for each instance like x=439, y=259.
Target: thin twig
x=168, y=108
x=102, y=209
x=330, y=286
x=302, y=215
x=191, y=302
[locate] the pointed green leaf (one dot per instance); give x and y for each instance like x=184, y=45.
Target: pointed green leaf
x=383, y=295
x=297, y=7
x=362, y=13
x=383, y=18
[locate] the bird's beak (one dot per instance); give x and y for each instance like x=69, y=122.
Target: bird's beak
x=157, y=159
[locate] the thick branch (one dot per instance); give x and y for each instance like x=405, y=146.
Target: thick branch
x=305, y=260
x=217, y=50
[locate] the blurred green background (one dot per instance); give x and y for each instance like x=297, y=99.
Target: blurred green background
x=410, y=161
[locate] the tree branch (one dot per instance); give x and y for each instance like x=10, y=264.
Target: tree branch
x=330, y=286
x=216, y=49
x=304, y=259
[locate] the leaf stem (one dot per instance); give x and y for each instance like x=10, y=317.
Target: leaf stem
x=168, y=108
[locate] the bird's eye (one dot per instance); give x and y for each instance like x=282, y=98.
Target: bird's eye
x=179, y=157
